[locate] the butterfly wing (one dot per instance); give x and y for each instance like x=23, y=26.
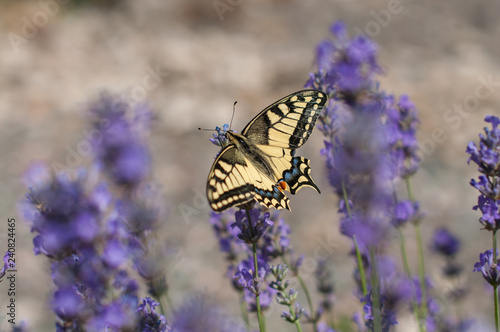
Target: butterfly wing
x=234, y=180
x=283, y=127
x=289, y=122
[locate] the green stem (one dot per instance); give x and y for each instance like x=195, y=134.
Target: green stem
x=495, y=288
x=306, y=292
x=360, y=267
x=495, y=299
x=421, y=271
x=356, y=247
x=308, y=297
x=163, y=305
x=421, y=263
x=297, y=324
x=262, y=324
x=406, y=266
x=346, y=200
x=377, y=315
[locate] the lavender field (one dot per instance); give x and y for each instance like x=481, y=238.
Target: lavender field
x=104, y=170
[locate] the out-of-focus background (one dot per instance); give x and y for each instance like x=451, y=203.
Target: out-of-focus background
x=56, y=57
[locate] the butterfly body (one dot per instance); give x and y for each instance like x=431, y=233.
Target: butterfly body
x=260, y=163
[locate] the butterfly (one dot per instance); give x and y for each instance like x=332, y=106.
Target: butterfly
x=260, y=163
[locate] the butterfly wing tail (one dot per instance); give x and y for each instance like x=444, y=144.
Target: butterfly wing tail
x=298, y=175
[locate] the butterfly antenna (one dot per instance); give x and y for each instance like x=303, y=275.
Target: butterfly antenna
x=232, y=117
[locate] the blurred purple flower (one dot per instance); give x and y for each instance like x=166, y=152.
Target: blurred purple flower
x=61, y=213
x=68, y=305
x=120, y=151
x=266, y=298
x=227, y=236
x=347, y=65
x=401, y=126
x=324, y=285
x=117, y=315
x=276, y=240
x=200, y=313
x=445, y=243
x=6, y=265
x=323, y=327
x=404, y=212
x=90, y=231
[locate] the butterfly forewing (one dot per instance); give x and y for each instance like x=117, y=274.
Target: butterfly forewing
x=289, y=122
x=260, y=163
x=229, y=183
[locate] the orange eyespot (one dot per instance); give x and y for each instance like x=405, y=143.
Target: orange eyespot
x=282, y=185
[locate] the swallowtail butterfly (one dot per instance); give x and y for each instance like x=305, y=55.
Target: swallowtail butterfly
x=260, y=163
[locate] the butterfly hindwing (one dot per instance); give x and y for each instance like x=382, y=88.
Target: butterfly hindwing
x=298, y=175
x=289, y=122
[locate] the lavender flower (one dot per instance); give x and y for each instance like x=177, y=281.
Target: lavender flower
x=448, y=245
x=121, y=151
x=323, y=327
x=355, y=158
x=488, y=267
x=404, y=212
x=198, y=313
x=276, y=241
x=6, y=265
x=91, y=233
x=220, y=138
x=251, y=230
x=247, y=280
x=61, y=213
x=388, y=316
x=445, y=243
x=490, y=209
x=285, y=297
x=402, y=123
x=345, y=66
x=324, y=285
x=266, y=297
x=150, y=320
x=487, y=157
x=370, y=145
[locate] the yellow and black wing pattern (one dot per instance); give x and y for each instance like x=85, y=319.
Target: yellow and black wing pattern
x=260, y=163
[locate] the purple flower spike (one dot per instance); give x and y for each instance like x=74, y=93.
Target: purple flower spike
x=445, y=243
x=488, y=267
x=251, y=230
x=404, y=212
x=120, y=148
x=151, y=321
x=486, y=155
